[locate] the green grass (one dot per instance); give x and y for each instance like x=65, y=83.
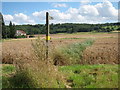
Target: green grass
x=77, y=76
x=8, y=69
x=91, y=76
x=7, y=72
x=28, y=79
x=11, y=79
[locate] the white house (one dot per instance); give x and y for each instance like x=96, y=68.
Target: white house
x=20, y=33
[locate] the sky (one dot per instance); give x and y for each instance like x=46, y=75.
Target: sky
x=83, y=11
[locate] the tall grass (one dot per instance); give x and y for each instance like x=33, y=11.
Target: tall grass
x=33, y=72
x=70, y=54
x=39, y=49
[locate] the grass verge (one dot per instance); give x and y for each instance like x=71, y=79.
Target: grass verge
x=7, y=72
x=77, y=76
x=91, y=76
x=70, y=54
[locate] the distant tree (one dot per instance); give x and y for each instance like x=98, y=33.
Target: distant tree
x=108, y=29
x=10, y=26
x=69, y=30
x=2, y=23
x=118, y=29
x=12, y=30
x=59, y=28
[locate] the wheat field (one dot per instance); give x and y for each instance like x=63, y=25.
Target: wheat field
x=103, y=51
x=72, y=58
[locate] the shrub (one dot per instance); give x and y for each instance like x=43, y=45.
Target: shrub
x=31, y=36
x=22, y=36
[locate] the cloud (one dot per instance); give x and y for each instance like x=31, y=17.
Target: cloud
x=40, y=14
x=88, y=10
x=19, y=18
x=72, y=10
x=106, y=9
x=56, y=14
x=87, y=13
x=8, y=17
x=83, y=2
x=22, y=18
x=74, y=15
x=56, y=5
x=100, y=12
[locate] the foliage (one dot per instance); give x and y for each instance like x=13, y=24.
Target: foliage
x=68, y=28
x=3, y=27
x=59, y=28
x=9, y=31
x=12, y=30
x=31, y=36
x=22, y=36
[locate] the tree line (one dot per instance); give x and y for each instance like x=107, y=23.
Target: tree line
x=8, y=31
x=68, y=28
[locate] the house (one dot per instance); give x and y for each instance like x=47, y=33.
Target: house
x=20, y=33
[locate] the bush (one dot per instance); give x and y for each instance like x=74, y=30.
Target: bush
x=22, y=36
x=31, y=36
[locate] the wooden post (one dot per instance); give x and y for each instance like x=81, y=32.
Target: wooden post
x=47, y=34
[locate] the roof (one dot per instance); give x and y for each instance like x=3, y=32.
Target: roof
x=21, y=31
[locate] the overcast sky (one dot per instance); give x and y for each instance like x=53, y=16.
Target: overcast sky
x=84, y=11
